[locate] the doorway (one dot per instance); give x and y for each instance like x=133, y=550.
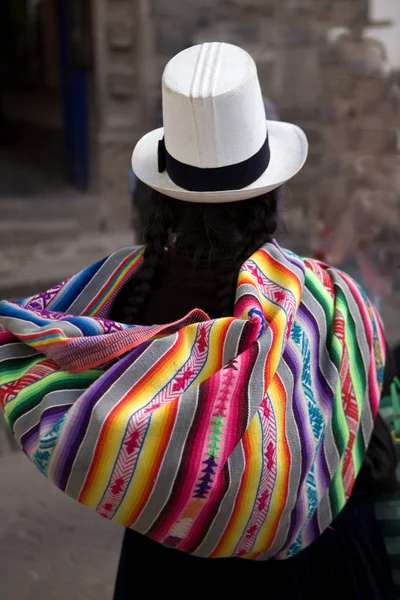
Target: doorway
x=43, y=96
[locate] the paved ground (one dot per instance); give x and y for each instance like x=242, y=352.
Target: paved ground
x=51, y=548
x=44, y=239
x=25, y=270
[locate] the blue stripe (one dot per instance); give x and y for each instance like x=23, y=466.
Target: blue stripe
x=75, y=286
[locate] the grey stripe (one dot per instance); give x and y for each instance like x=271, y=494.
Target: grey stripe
x=256, y=381
x=355, y=313
x=367, y=421
x=294, y=442
x=282, y=258
x=331, y=452
x=328, y=368
x=98, y=281
x=393, y=545
x=232, y=341
x=171, y=462
x=16, y=350
x=247, y=290
x=104, y=406
x=388, y=509
x=236, y=465
x=52, y=399
x=331, y=375
x=324, y=512
x=19, y=326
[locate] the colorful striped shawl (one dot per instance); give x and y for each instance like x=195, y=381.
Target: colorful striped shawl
x=238, y=436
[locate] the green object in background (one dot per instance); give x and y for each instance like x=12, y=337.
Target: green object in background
x=387, y=507
x=394, y=396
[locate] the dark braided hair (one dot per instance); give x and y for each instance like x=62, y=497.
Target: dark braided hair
x=222, y=234
x=132, y=297
x=260, y=224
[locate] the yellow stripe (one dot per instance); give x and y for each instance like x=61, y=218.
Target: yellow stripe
x=214, y=358
x=278, y=499
x=106, y=295
x=49, y=342
x=212, y=365
x=144, y=471
x=281, y=277
x=248, y=489
x=111, y=445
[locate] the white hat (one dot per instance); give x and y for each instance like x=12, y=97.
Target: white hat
x=216, y=145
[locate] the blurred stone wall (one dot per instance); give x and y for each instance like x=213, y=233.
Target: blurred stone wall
x=288, y=40
x=121, y=100
x=353, y=207
x=356, y=202
x=340, y=95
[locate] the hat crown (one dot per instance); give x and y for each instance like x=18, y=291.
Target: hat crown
x=213, y=108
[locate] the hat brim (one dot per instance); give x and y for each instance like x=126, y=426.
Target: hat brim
x=288, y=145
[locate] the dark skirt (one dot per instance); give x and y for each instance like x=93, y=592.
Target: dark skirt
x=348, y=562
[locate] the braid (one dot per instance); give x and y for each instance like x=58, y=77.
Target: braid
x=156, y=240
x=221, y=234
x=261, y=223
x=226, y=291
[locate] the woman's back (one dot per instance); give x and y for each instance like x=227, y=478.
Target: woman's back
x=178, y=287
x=237, y=433
x=339, y=559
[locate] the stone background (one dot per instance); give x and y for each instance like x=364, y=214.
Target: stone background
x=319, y=62
x=316, y=62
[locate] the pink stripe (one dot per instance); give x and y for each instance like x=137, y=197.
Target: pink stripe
x=6, y=336
x=187, y=488
x=216, y=494
x=234, y=404
x=374, y=389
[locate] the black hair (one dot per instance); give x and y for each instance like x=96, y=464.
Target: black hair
x=224, y=234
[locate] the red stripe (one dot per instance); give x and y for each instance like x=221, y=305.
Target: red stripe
x=111, y=422
x=113, y=277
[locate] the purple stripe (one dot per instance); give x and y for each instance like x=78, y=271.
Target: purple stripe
x=49, y=417
x=312, y=530
x=295, y=260
x=323, y=391
x=323, y=476
x=72, y=442
x=30, y=437
x=53, y=414
x=308, y=322
x=306, y=451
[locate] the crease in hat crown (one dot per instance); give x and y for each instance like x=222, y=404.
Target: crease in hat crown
x=212, y=106
x=214, y=117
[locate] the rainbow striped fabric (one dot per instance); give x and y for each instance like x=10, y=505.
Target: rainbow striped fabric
x=238, y=436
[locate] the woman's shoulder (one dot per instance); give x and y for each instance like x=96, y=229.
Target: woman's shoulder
x=335, y=279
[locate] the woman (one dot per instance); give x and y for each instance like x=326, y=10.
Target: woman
x=236, y=428
x=201, y=270
x=143, y=205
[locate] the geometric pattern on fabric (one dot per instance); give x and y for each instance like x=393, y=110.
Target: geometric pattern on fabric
x=239, y=436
